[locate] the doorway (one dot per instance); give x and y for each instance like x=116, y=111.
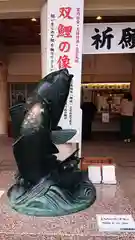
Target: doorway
x=105, y=79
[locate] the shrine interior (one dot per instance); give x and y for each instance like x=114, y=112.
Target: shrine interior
x=105, y=79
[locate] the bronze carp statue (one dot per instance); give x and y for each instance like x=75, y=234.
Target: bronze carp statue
x=44, y=185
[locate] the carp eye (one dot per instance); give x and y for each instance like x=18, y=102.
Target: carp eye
x=36, y=109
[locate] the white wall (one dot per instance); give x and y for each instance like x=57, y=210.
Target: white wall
x=107, y=68
x=24, y=64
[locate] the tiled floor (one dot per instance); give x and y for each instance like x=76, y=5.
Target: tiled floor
x=124, y=157
x=117, y=199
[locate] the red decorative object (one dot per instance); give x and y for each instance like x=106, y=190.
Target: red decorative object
x=64, y=62
x=65, y=12
x=64, y=47
x=64, y=31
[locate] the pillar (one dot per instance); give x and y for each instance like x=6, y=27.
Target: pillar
x=133, y=77
x=61, y=47
x=43, y=24
x=3, y=99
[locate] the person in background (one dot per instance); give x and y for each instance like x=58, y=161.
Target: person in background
x=88, y=113
x=20, y=99
x=127, y=112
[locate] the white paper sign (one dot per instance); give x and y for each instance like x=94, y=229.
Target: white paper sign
x=115, y=223
x=64, y=50
x=108, y=174
x=105, y=117
x=102, y=38
x=94, y=174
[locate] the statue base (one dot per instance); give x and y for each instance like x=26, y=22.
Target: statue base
x=79, y=226
x=59, y=194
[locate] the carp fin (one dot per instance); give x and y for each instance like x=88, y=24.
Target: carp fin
x=62, y=136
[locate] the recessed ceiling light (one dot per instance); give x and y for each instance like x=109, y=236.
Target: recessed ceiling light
x=33, y=19
x=99, y=18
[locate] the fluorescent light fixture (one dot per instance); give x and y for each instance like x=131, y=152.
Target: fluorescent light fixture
x=117, y=85
x=108, y=84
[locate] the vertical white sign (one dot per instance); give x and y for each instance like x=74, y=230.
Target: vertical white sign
x=43, y=24
x=64, y=50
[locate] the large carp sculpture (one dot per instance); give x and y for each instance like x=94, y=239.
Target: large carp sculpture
x=45, y=186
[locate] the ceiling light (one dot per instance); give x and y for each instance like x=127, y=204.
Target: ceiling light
x=99, y=18
x=33, y=19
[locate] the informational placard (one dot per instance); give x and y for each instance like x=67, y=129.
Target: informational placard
x=64, y=50
x=102, y=38
x=105, y=117
x=115, y=223
x=108, y=174
x=94, y=174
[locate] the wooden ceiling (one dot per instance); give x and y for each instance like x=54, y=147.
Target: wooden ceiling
x=19, y=32
x=110, y=19
x=25, y=32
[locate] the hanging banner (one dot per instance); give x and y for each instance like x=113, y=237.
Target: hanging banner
x=64, y=50
x=102, y=38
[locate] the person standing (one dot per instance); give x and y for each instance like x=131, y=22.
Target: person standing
x=127, y=112
x=88, y=113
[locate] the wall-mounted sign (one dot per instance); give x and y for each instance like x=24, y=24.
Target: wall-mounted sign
x=64, y=50
x=101, y=38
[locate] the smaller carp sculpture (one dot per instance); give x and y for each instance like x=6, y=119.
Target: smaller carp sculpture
x=45, y=186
